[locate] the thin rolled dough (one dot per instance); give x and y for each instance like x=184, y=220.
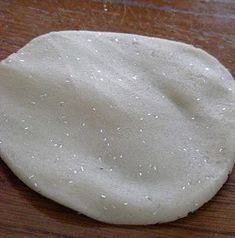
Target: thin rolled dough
x=126, y=129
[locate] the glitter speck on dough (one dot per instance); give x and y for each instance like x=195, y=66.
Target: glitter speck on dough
x=155, y=212
x=148, y=198
x=125, y=203
x=32, y=176
x=103, y=196
x=43, y=95
x=221, y=149
x=82, y=168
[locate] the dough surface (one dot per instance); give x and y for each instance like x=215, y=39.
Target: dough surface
x=125, y=129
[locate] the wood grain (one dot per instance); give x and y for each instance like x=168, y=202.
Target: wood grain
x=208, y=24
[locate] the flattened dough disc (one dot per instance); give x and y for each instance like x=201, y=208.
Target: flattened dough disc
x=126, y=129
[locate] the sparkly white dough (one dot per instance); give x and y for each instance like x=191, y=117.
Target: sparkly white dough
x=124, y=128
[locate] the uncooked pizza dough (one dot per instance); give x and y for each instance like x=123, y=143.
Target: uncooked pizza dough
x=125, y=129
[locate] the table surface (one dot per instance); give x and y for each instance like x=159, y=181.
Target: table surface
x=209, y=24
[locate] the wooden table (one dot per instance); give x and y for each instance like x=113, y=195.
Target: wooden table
x=209, y=24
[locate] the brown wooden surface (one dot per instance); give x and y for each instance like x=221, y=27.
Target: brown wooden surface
x=209, y=24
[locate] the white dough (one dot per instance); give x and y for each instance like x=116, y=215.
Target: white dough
x=125, y=129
